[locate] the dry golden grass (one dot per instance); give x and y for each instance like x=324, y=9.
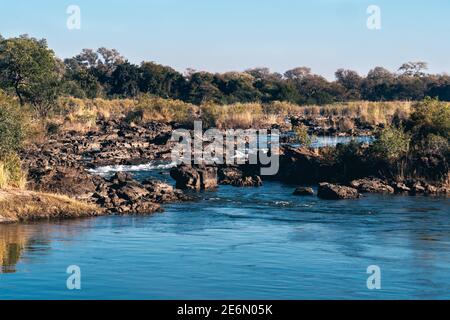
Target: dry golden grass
x=370, y=112
x=80, y=115
x=11, y=173
x=19, y=205
x=246, y=115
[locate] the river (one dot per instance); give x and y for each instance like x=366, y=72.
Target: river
x=237, y=243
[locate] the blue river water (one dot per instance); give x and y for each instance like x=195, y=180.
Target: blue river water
x=238, y=243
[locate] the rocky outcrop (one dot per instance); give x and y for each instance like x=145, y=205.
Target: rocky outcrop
x=123, y=195
x=301, y=165
x=195, y=177
x=330, y=191
x=239, y=176
x=71, y=181
x=303, y=191
x=371, y=185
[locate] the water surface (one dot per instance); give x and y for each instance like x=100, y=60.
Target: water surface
x=255, y=243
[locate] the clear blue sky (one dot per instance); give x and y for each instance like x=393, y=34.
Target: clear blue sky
x=225, y=35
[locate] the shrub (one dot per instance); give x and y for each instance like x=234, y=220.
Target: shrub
x=12, y=128
x=391, y=144
x=52, y=128
x=302, y=135
x=210, y=115
x=430, y=116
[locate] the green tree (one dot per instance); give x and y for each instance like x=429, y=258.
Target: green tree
x=391, y=144
x=30, y=70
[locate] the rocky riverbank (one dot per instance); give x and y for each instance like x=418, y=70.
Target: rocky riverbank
x=60, y=165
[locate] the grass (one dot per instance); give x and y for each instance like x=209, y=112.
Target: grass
x=369, y=112
x=81, y=115
x=11, y=174
x=20, y=205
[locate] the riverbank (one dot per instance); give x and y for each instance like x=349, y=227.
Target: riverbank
x=65, y=160
x=22, y=206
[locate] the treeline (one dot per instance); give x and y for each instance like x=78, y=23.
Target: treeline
x=30, y=70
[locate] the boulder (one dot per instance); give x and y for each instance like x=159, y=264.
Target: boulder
x=400, y=187
x=194, y=177
x=72, y=181
x=303, y=191
x=239, y=177
x=371, y=185
x=161, y=192
x=335, y=192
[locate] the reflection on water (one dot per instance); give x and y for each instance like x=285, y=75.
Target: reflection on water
x=12, y=242
x=16, y=240
x=260, y=243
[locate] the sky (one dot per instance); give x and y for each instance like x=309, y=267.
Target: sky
x=234, y=35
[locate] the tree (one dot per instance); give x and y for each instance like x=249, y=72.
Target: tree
x=160, y=80
x=30, y=69
x=125, y=80
x=351, y=81
x=297, y=73
x=377, y=86
x=415, y=69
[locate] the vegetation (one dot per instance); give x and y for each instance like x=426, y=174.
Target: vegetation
x=30, y=70
x=18, y=205
x=417, y=148
x=303, y=136
x=12, y=133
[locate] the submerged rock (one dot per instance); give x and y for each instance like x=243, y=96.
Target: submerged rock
x=303, y=191
x=335, y=192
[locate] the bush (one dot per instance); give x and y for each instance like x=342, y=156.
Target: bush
x=391, y=144
x=52, y=128
x=302, y=135
x=11, y=126
x=430, y=116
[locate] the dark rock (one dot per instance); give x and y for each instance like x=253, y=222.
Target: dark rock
x=303, y=191
x=371, y=185
x=400, y=187
x=71, y=181
x=194, y=177
x=335, y=192
x=239, y=177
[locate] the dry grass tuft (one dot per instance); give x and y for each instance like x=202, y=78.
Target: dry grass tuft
x=19, y=205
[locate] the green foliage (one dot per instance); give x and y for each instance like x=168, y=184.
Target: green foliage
x=391, y=144
x=303, y=136
x=12, y=130
x=30, y=70
x=430, y=116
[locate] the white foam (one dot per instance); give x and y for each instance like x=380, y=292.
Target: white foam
x=132, y=168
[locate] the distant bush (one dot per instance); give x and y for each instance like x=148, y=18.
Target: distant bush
x=391, y=144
